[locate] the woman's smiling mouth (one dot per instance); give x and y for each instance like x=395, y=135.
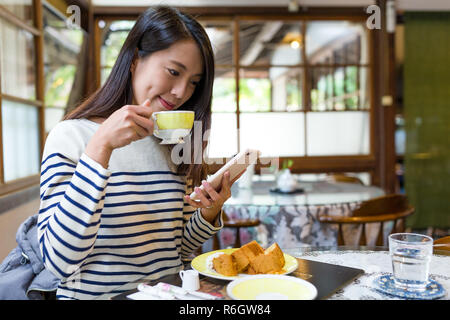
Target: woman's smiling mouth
x=166, y=104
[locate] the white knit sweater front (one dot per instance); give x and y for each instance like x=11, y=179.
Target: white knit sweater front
x=101, y=228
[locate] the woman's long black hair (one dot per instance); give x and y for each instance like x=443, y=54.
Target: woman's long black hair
x=156, y=29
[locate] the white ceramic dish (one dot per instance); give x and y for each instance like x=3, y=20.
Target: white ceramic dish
x=271, y=287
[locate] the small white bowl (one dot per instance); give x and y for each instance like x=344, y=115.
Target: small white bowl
x=271, y=287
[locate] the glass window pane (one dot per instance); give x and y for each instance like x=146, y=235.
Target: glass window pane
x=22, y=9
x=274, y=133
x=286, y=88
x=270, y=43
x=223, y=135
x=329, y=42
x=17, y=61
x=111, y=47
x=20, y=129
x=254, y=90
x=224, y=91
x=105, y=71
x=113, y=36
x=337, y=133
x=341, y=88
x=62, y=55
x=321, y=88
x=221, y=36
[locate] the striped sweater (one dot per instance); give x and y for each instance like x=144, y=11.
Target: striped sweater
x=101, y=228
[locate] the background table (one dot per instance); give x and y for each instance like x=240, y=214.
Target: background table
x=291, y=220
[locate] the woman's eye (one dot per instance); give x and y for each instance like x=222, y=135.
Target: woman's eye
x=173, y=72
x=195, y=83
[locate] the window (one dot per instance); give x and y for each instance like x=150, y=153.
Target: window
x=19, y=100
x=38, y=84
x=295, y=79
x=62, y=54
x=113, y=36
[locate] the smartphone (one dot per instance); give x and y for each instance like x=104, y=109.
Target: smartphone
x=236, y=166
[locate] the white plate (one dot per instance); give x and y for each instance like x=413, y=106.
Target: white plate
x=200, y=263
x=271, y=287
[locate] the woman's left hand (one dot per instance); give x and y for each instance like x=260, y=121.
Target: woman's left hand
x=211, y=201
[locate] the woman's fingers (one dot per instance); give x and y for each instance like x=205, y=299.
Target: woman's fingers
x=211, y=192
x=195, y=204
x=207, y=197
x=144, y=123
x=202, y=197
x=140, y=118
x=143, y=109
x=140, y=131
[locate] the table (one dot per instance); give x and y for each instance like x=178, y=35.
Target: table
x=375, y=261
x=291, y=220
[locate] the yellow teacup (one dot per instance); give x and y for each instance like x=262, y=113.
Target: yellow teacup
x=178, y=119
x=172, y=126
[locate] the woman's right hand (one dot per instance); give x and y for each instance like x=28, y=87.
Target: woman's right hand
x=125, y=125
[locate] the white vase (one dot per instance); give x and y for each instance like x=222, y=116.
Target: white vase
x=286, y=181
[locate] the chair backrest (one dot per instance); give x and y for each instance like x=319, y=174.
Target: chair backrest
x=393, y=207
x=339, y=177
x=389, y=204
x=442, y=244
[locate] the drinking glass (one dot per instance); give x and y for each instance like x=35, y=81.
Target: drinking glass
x=411, y=255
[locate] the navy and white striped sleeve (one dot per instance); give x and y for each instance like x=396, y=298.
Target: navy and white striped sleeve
x=196, y=229
x=72, y=195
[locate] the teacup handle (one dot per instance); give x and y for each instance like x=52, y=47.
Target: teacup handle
x=181, y=274
x=155, y=124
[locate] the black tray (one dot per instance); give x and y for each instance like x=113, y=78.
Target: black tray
x=328, y=278
x=278, y=191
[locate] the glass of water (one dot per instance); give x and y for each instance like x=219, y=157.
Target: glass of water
x=411, y=255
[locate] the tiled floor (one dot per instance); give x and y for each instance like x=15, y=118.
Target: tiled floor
x=9, y=223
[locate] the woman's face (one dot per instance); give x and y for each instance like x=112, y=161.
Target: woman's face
x=167, y=77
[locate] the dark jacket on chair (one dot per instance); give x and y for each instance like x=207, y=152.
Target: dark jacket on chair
x=22, y=273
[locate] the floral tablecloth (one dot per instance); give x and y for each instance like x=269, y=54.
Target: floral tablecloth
x=374, y=264
x=292, y=220
x=289, y=226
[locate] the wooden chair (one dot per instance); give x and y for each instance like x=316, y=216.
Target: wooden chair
x=236, y=224
x=340, y=177
x=442, y=244
x=392, y=207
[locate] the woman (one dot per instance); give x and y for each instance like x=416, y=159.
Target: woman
x=112, y=208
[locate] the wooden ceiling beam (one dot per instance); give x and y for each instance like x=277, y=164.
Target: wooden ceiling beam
x=304, y=13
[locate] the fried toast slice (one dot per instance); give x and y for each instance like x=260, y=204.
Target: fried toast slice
x=272, y=261
x=224, y=264
x=245, y=254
